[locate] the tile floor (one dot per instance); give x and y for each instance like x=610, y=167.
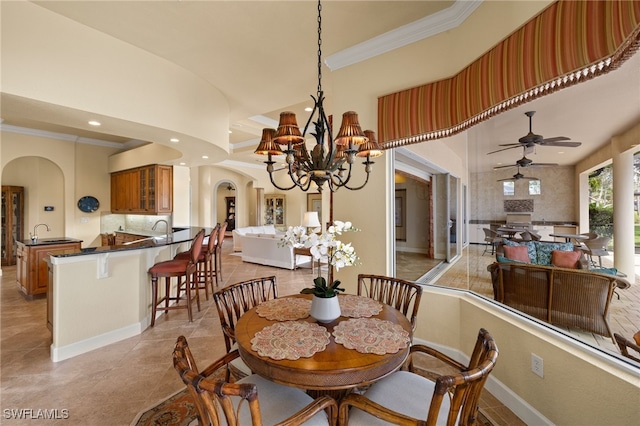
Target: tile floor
x=109, y=386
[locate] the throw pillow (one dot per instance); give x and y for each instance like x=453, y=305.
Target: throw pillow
x=544, y=249
x=531, y=248
x=565, y=259
x=519, y=253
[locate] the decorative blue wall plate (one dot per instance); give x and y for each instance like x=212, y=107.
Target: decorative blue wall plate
x=88, y=204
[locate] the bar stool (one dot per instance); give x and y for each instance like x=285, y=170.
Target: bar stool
x=205, y=265
x=217, y=254
x=179, y=268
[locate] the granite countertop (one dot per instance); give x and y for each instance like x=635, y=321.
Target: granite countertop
x=534, y=222
x=49, y=241
x=178, y=237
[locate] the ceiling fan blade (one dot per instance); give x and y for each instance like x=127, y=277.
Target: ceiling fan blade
x=510, y=144
x=504, y=167
x=556, y=139
x=542, y=165
x=565, y=144
x=529, y=178
x=504, y=149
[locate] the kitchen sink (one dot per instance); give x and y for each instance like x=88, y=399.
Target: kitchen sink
x=54, y=240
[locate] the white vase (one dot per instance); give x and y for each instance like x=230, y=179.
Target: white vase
x=325, y=309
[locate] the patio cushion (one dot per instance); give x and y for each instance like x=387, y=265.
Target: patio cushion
x=531, y=248
x=519, y=253
x=565, y=259
x=544, y=249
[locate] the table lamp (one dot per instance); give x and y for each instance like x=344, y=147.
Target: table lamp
x=310, y=220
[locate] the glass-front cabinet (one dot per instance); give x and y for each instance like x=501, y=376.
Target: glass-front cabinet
x=12, y=222
x=275, y=210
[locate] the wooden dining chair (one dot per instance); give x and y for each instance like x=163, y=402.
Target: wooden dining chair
x=217, y=253
x=401, y=294
x=236, y=299
x=253, y=400
x=625, y=344
x=418, y=395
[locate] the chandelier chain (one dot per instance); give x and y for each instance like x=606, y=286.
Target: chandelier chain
x=319, y=47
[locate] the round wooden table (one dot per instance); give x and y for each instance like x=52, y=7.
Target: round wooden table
x=335, y=368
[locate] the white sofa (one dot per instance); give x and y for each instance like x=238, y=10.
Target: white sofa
x=256, y=230
x=266, y=250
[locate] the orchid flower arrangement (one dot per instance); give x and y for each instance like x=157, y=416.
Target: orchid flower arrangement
x=326, y=245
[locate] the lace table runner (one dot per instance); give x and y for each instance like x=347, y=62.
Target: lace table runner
x=285, y=309
x=357, y=307
x=290, y=340
x=371, y=336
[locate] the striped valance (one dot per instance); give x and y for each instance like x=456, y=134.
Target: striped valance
x=569, y=42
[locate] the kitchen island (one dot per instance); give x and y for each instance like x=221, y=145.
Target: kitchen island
x=101, y=295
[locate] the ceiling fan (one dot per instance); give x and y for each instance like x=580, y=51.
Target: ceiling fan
x=531, y=139
x=518, y=176
x=525, y=162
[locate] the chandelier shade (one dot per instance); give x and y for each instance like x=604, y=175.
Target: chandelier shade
x=330, y=161
x=288, y=130
x=267, y=146
x=350, y=131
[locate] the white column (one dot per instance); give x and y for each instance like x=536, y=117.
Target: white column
x=623, y=227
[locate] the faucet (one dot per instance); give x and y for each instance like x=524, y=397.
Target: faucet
x=35, y=230
x=155, y=225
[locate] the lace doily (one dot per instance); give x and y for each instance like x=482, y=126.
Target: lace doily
x=290, y=340
x=357, y=307
x=285, y=309
x=371, y=336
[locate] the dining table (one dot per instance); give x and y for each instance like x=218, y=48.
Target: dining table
x=569, y=237
x=280, y=341
x=509, y=232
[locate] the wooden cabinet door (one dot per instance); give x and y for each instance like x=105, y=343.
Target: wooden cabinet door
x=22, y=259
x=145, y=190
x=164, y=189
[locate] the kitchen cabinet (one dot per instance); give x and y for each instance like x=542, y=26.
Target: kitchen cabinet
x=231, y=213
x=124, y=237
x=32, y=269
x=477, y=233
x=12, y=222
x=275, y=211
x=143, y=190
x=544, y=231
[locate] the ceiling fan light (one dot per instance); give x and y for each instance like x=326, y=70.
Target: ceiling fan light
x=288, y=130
x=350, y=131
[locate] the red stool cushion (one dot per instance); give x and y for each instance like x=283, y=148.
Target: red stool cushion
x=174, y=266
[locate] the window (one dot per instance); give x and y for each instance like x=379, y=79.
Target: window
x=508, y=188
x=534, y=187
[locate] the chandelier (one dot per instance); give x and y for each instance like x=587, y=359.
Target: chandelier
x=331, y=160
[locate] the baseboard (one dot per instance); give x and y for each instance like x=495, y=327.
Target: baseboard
x=61, y=353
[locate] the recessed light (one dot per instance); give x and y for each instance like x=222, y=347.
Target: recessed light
x=560, y=152
x=183, y=164
x=94, y=123
x=308, y=109
x=205, y=156
x=174, y=140
x=230, y=132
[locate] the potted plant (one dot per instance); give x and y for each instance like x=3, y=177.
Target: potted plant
x=324, y=306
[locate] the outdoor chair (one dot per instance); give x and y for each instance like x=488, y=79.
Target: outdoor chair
x=253, y=400
x=491, y=238
x=401, y=294
x=417, y=395
x=236, y=299
x=597, y=247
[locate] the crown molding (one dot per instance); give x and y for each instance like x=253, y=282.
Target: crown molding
x=67, y=137
x=418, y=30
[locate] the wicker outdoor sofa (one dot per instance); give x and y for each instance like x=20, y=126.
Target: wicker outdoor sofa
x=576, y=298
